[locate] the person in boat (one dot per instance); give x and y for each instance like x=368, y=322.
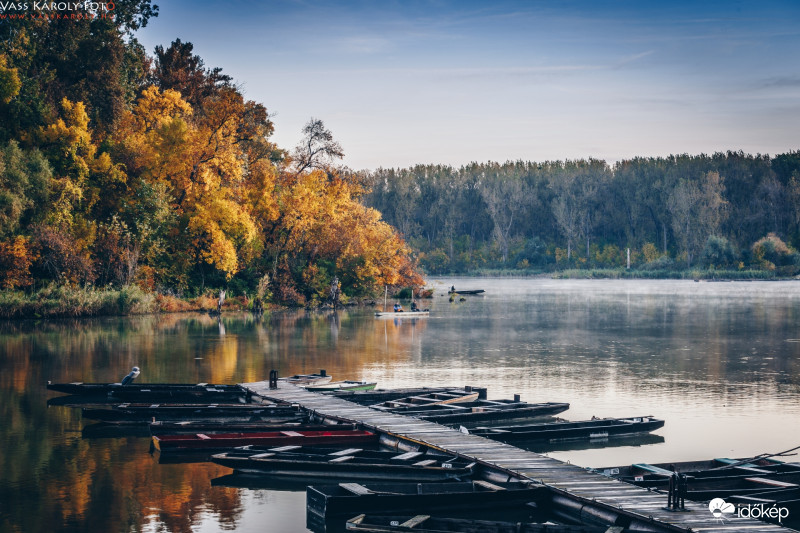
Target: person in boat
x=398, y=308
x=453, y=288
x=414, y=307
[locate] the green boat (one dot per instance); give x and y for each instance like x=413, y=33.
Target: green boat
x=342, y=385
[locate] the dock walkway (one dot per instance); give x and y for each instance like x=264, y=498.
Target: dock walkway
x=586, y=493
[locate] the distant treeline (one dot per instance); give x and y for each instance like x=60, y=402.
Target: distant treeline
x=120, y=168
x=731, y=211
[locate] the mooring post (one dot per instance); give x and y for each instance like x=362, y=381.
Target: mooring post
x=273, y=379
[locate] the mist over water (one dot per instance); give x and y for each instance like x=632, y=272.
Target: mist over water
x=720, y=362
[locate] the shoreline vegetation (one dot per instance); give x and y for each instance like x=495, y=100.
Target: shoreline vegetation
x=75, y=302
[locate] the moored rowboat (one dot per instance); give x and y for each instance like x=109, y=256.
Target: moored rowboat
x=341, y=385
x=432, y=524
x=483, y=411
x=587, y=429
x=347, y=499
x=154, y=391
x=202, y=441
x=352, y=464
x=149, y=412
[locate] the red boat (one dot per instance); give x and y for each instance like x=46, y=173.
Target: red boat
x=201, y=441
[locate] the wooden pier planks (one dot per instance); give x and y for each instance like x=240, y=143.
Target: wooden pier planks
x=574, y=482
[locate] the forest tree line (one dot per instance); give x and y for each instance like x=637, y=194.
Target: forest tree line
x=729, y=211
x=118, y=167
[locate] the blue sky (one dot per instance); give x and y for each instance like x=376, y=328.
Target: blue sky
x=400, y=83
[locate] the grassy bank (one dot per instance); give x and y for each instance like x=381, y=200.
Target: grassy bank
x=621, y=273
x=54, y=301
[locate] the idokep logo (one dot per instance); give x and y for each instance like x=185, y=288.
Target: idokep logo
x=719, y=508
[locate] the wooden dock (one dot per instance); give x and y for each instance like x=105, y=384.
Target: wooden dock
x=584, y=493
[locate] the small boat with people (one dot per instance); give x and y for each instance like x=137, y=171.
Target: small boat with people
x=566, y=430
x=351, y=464
x=401, y=314
x=288, y=437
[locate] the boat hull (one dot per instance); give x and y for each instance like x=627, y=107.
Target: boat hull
x=222, y=441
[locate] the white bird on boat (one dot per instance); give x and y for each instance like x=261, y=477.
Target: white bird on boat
x=131, y=376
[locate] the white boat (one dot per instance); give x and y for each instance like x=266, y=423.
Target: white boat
x=400, y=314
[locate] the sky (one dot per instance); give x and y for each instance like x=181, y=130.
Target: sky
x=401, y=83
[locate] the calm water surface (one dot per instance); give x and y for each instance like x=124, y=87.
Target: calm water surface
x=719, y=361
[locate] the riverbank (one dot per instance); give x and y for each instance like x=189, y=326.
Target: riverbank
x=623, y=273
x=61, y=301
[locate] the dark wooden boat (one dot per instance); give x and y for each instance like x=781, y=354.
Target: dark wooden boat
x=308, y=379
x=348, y=499
x=222, y=412
x=352, y=464
x=482, y=411
x=788, y=499
x=377, y=396
x=564, y=430
x=433, y=398
x=221, y=441
x=155, y=391
x=341, y=385
x=192, y=427
x=432, y=524
x=657, y=475
x=719, y=478
x=476, y=291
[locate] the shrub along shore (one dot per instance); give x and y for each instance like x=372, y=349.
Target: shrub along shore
x=71, y=302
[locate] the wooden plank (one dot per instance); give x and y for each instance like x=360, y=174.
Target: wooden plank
x=487, y=485
x=348, y=451
x=355, y=488
x=772, y=482
x=413, y=522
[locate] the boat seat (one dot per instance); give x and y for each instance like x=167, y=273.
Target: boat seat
x=292, y=433
x=355, y=488
x=653, y=469
x=487, y=485
x=426, y=462
x=772, y=482
x=413, y=522
x=407, y=456
x=202, y=384
x=349, y=451
x=285, y=448
x=203, y=436
x=261, y=455
x=341, y=459
x=727, y=461
x=751, y=470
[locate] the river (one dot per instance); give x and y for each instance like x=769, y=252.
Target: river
x=720, y=362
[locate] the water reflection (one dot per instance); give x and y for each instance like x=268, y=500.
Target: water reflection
x=719, y=362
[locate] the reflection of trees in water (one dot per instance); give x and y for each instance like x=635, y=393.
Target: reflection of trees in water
x=52, y=479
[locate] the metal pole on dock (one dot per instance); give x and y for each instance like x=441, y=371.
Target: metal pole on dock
x=385, y=292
